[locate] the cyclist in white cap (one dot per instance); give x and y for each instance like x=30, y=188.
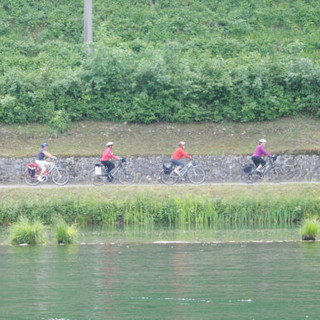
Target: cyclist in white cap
x=257, y=155
x=105, y=160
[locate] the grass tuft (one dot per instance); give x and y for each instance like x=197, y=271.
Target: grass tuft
x=27, y=232
x=310, y=229
x=65, y=233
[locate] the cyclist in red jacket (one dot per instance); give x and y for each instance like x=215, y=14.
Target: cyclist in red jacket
x=178, y=155
x=105, y=160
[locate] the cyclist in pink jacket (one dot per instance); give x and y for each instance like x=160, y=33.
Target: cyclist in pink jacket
x=257, y=155
x=105, y=160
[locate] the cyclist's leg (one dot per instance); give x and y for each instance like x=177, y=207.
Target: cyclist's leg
x=109, y=165
x=43, y=166
x=259, y=162
x=179, y=165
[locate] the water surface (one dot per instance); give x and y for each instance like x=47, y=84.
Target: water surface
x=122, y=274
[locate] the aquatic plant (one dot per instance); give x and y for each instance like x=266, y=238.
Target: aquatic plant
x=310, y=229
x=65, y=233
x=25, y=231
x=169, y=210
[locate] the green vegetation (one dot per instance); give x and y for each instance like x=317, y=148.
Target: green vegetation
x=207, y=205
x=187, y=61
x=24, y=231
x=296, y=135
x=64, y=233
x=310, y=228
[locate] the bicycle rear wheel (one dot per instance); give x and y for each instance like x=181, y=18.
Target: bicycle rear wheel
x=254, y=176
x=30, y=180
x=196, y=175
x=96, y=180
x=60, y=176
x=170, y=178
x=126, y=176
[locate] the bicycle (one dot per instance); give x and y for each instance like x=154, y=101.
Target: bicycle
x=274, y=171
x=53, y=172
x=192, y=171
x=121, y=171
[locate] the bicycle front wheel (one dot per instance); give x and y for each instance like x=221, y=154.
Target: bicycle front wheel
x=126, y=176
x=170, y=178
x=276, y=174
x=30, y=180
x=60, y=176
x=196, y=175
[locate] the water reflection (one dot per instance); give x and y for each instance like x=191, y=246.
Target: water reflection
x=146, y=234
x=160, y=281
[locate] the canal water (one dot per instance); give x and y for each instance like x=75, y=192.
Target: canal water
x=163, y=274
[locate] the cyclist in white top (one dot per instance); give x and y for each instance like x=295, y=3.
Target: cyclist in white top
x=43, y=164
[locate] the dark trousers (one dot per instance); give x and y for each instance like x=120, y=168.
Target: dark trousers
x=109, y=165
x=177, y=163
x=257, y=161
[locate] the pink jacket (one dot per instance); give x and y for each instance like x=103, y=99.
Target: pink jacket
x=108, y=154
x=260, y=150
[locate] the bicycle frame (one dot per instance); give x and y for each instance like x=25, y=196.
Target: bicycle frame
x=52, y=171
x=116, y=169
x=48, y=170
x=123, y=173
x=192, y=171
x=185, y=169
x=268, y=166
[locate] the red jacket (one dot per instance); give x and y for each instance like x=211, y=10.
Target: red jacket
x=108, y=154
x=179, y=153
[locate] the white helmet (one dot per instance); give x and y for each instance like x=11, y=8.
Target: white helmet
x=262, y=140
x=109, y=144
x=181, y=143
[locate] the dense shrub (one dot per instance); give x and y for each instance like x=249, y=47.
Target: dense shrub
x=182, y=62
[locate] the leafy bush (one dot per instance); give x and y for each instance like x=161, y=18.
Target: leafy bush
x=60, y=121
x=196, y=61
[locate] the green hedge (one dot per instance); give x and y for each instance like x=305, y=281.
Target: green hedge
x=191, y=61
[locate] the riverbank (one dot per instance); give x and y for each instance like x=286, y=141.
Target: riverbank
x=297, y=135
x=203, y=205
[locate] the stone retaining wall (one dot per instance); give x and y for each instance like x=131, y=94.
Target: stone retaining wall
x=218, y=168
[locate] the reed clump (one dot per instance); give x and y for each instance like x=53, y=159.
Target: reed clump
x=169, y=211
x=27, y=232
x=310, y=228
x=64, y=233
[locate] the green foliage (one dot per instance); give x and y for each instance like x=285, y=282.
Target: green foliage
x=310, y=228
x=192, y=61
x=171, y=210
x=64, y=233
x=60, y=121
x=25, y=231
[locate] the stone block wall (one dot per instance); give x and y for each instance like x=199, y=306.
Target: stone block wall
x=218, y=168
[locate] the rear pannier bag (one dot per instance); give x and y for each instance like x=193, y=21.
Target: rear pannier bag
x=167, y=168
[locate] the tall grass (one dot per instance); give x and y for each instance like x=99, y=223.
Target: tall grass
x=25, y=231
x=65, y=234
x=310, y=228
x=168, y=210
